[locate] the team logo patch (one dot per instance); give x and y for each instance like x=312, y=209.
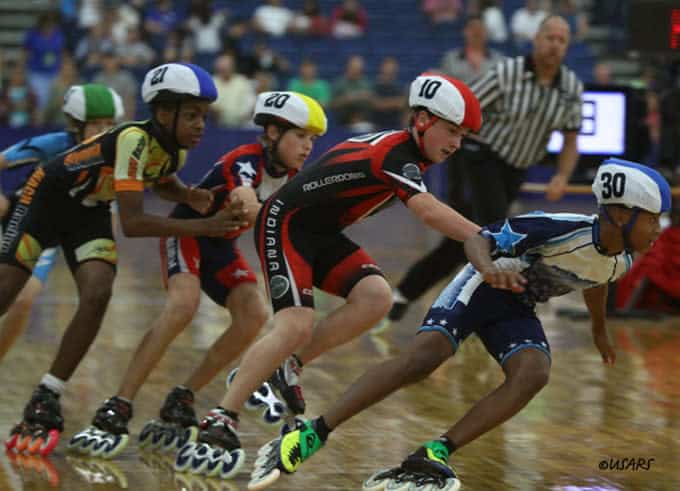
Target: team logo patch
x=412, y=172
x=278, y=286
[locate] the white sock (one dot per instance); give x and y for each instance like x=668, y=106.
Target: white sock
x=397, y=297
x=53, y=383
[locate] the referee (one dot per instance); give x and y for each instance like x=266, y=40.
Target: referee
x=523, y=100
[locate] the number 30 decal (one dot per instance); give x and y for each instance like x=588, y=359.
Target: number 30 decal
x=613, y=185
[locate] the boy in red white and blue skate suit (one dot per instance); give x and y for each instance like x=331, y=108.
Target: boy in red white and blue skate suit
x=217, y=260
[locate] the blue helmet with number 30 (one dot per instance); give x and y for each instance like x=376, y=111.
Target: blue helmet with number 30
x=174, y=82
x=631, y=184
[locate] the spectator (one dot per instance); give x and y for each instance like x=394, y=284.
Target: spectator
x=310, y=85
x=602, y=74
x=89, y=50
x=18, y=103
x=124, y=18
x=309, y=21
x=205, y=26
x=160, y=20
x=264, y=82
x=119, y=79
x=474, y=58
x=349, y=20
x=89, y=14
x=442, y=11
x=268, y=60
x=134, y=52
x=235, y=94
x=178, y=47
x=68, y=76
x=352, y=94
x=525, y=22
x=389, y=99
x=578, y=23
x=43, y=46
x=272, y=18
x=494, y=21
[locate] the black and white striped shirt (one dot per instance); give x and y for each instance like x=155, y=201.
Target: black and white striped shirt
x=520, y=114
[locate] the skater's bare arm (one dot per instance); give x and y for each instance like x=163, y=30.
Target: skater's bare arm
x=251, y=204
x=136, y=223
x=596, y=301
x=173, y=189
x=441, y=217
x=478, y=251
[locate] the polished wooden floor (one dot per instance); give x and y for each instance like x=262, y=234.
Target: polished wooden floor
x=586, y=415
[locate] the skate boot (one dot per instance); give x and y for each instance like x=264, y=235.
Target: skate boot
x=263, y=398
x=218, y=452
x=285, y=382
x=108, y=434
x=39, y=431
x=177, y=425
x=284, y=454
x=425, y=469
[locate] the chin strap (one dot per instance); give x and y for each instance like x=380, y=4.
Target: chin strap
x=274, y=166
x=627, y=227
x=420, y=131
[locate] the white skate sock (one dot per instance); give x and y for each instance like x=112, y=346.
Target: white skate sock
x=397, y=296
x=53, y=383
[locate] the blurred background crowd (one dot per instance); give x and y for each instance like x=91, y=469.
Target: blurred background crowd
x=354, y=56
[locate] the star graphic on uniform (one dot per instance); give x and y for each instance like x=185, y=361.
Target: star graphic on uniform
x=507, y=238
x=239, y=273
x=443, y=322
x=430, y=321
x=245, y=169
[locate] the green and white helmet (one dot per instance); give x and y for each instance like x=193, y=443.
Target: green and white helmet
x=92, y=101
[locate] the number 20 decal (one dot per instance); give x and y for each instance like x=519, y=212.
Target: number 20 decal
x=277, y=100
x=613, y=185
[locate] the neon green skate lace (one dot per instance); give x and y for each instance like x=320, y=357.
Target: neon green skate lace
x=297, y=446
x=437, y=451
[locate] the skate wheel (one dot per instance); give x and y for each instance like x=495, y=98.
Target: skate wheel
x=268, y=447
x=23, y=441
x=200, y=459
x=184, y=457
x=147, y=433
x=189, y=435
x=231, y=462
x=258, y=482
x=11, y=442
x=451, y=484
x=376, y=482
x=398, y=485
x=108, y=446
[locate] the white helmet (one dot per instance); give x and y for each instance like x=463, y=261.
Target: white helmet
x=177, y=81
x=631, y=184
x=447, y=98
x=292, y=107
x=92, y=101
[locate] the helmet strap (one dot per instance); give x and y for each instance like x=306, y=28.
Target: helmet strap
x=175, y=120
x=276, y=167
x=421, y=128
x=627, y=228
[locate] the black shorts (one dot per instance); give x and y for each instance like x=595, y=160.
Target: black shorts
x=295, y=259
x=45, y=216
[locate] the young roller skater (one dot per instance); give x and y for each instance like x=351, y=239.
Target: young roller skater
x=66, y=203
x=300, y=240
x=537, y=256
x=89, y=110
x=250, y=174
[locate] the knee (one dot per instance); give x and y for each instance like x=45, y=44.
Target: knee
x=418, y=365
x=96, y=296
x=375, y=294
x=180, y=309
x=251, y=315
x=530, y=378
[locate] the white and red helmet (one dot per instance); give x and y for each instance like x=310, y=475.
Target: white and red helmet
x=447, y=98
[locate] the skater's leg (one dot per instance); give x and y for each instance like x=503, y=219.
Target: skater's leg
x=248, y=314
x=184, y=293
x=367, y=303
x=17, y=316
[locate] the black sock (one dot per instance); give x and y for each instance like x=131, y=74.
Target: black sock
x=321, y=428
x=450, y=446
x=297, y=359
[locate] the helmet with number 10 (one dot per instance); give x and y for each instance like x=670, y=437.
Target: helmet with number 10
x=442, y=98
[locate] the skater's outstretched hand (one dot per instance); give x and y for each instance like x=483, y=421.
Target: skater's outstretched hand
x=504, y=279
x=229, y=219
